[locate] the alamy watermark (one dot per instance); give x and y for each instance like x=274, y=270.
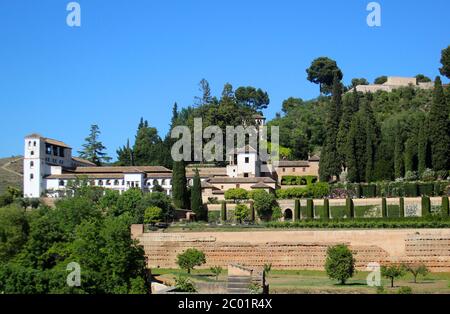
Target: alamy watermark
x=74, y=277
x=74, y=17
x=374, y=17
x=189, y=146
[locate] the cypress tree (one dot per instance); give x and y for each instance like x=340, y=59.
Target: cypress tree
x=297, y=210
x=252, y=212
x=356, y=149
x=329, y=160
x=372, y=139
x=350, y=105
x=326, y=208
x=410, y=155
x=399, y=169
x=223, y=211
x=350, y=207
x=196, y=199
x=445, y=206
x=426, y=206
x=309, y=209
x=384, y=212
x=439, y=132
x=423, y=148
x=179, y=185
x=402, y=207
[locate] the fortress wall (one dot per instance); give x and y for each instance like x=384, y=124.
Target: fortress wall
x=304, y=249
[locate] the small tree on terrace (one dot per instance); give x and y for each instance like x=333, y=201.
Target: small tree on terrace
x=416, y=270
x=340, y=264
x=241, y=212
x=263, y=203
x=191, y=258
x=216, y=271
x=237, y=195
x=392, y=272
x=153, y=215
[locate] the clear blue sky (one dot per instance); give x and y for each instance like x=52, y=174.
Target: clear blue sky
x=136, y=58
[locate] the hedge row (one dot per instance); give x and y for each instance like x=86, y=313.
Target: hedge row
x=298, y=180
x=316, y=190
x=391, y=189
x=432, y=222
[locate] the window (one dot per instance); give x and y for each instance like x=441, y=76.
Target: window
x=29, y=143
x=116, y=182
x=34, y=143
x=247, y=160
x=61, y=183
x=155, y=182
x=108, y=182
x=55, y=150
x=31, y=176
x=284, y=169
x=304, y=169
x=245, y=175
x=31, y=164
x=61, y=152
x=100, y=182
x=32, y=153
x=48, y=149
x=293, y=169
x=163, y=182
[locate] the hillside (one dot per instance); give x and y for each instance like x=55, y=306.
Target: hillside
x=11, y=170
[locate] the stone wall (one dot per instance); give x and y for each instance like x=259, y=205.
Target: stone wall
x=303, y=249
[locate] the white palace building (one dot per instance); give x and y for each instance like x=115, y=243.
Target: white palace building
x=49, y=167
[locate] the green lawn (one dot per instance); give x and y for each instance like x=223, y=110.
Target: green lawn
x=309, y=281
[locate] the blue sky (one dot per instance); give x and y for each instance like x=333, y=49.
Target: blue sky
x=136, y=58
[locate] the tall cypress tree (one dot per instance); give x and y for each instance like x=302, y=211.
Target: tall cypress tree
x=196, y=199
x=372, y=139
x=399, y=166
x=356, y=149
x=423, y=148
x=179, y=185
x=329, y=160
x=439, y=133
x=125, y=155
x=350, y=106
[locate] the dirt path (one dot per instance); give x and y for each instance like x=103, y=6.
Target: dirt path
x=5, y=167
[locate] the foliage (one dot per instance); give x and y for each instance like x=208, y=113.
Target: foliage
x=340, y=263
x=445, y=61
x=184, y=284
x=223, y=211
x=196, y=199
x=380, y=80
x=322, y=71
x=14, y=230
x=416, y=270
x=153, y=215
x=298, y=180
x=276, y=213
x=190, y=258
x=392, y=272
x=236, y=195
x=93, y=149
x=216, y=271
x=179, y=185
x=241, y=212
x=263, y=203
x=404, y=290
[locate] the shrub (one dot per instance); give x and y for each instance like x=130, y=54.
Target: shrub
x=277, y=214
x=445, y=206
x=216, y=271
x=405, y=290
x=213, y=216
x=428, y=175
x=320, y=189
x=411, y=190
x=350, y=208
x=369, y=191
x=241, y=212
x=426, y=189
x=340, y=264
x=236, y=195
x=411, y=176
x=252, y=212
x=184, y=284
x=153, y=215
x=190, y=258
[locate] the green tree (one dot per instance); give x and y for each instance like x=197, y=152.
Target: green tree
x=148, y=147
x=125, y=155
x=128, y=203
x=422, y=78
x=184, y=284
x=445, y=61
x=380, y=80
x=237, y=195
x=439, y=129
x=191, y=258
x=340, y=264
x=179, y=185
x=256, y=99
x=350, y=105
x=153, y=215
x=359, y=81
x=263, y=203
x=392, y=272
x=322, y=71
x=416, y=270
x=93, y=149
x=329, y=161
x=241, y=212
x=216, y=271
x=196, y=199
x=13, y=232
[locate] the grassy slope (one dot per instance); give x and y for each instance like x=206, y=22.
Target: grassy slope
x=10, y=179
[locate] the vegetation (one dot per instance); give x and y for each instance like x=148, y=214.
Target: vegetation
x=196, y=199
x=340, y=263
x=153, y=215
x=241, y=213
x=183, y=284
x=416, y=270
x=93, y=149
x=216, y=271
x=190, y=258
x=392, y=272
x=263, y=204
x=179, y=185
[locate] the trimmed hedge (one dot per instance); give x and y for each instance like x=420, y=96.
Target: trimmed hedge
x=326, y=207
x=350, y=208
x=309, y=209
x=298, y=180
x=384, y=211
x=402, y=207
x=223, y=211
x=297, y=210
x=426, y=206
x=445, y=206
x=413, y=222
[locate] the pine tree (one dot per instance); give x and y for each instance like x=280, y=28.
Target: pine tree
x=93, y=149
x=439, y=132
x=179, y=185
x=148, y=147
x=125, y=155
x=196, y=199
x=329, y=160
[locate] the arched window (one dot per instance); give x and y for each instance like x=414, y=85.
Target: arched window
x=100, y=182
x=31, y=164
x=34, y=143
x=163, y=182
x=31, y=176
x=61, y=182
x=116, y=182
x=32, y=153
x=155, y=182
x=29, y=143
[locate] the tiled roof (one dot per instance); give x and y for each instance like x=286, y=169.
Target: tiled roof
x=260, y=185
x=129, y=169
x=84, y=161
x=241, y=180
x=48, y=140
x=293, y=163
x=72, y=176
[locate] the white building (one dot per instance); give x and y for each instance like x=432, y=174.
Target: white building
x=49, y=167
